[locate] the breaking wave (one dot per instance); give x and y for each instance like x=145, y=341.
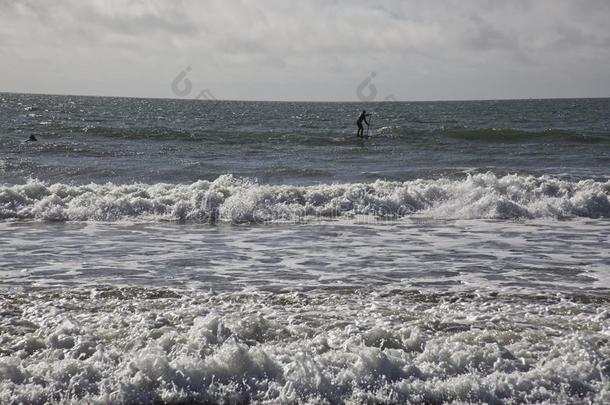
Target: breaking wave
x=162, y=346
x=239, y=200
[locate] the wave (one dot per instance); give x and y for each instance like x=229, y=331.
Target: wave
x=172, y=347
x=240, y=200
x=227, y=137
x=138, y=133
x=492, y=135
x=321, y=136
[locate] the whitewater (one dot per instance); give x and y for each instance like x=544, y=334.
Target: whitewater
x=176, y=251
x=239, y=200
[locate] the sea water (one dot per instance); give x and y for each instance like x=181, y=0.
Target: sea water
x=176, y=251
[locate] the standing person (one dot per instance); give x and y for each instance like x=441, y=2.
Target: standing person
x=361, y=118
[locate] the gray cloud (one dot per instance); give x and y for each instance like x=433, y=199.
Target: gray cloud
x=311, y=49
x=484, y=36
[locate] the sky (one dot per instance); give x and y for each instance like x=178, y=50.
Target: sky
x=307, y=50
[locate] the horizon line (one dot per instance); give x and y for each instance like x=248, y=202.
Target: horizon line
x=306, y=101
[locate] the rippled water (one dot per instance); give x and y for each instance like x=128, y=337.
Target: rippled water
x=85, y=139
x=531, y=257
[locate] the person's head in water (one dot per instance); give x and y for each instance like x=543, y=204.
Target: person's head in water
x=32, y=138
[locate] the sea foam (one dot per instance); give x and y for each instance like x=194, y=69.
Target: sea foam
x=240, y=200
x=158, y=346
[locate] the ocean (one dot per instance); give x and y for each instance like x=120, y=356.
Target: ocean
x=201, y=251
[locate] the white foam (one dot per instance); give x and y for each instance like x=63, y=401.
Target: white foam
x=238, y=200
x=142, y=346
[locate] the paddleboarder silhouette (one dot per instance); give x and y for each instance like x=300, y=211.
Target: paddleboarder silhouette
x=362, y=117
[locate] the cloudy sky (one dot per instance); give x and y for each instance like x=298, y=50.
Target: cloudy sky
x=307, y=49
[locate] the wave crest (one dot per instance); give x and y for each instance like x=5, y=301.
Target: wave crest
x=240, y=200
